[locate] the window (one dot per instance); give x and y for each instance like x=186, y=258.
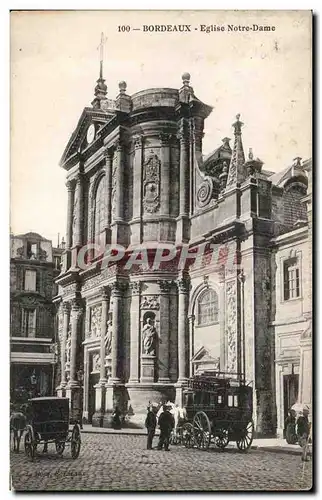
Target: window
x=99, y=213
x=28, y=323
x=57, y=262
x=291, y=279
x=30, y=282
x=208, y=308
x=32, y=250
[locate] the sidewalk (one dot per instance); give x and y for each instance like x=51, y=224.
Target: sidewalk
x=271, y=444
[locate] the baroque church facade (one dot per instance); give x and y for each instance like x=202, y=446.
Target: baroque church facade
x=137, y=178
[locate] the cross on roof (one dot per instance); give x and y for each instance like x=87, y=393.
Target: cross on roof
x=101, y=48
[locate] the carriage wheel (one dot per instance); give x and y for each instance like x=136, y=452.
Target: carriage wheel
x=75, y=443
x=60, y=447
x=201, y=430
x=246, y=439
x=187, y=435
x=221, y=438
x=30, y=445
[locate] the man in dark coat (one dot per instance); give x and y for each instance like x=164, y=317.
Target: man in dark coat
x=150, y=424
x=166, y=424
x=303, y=432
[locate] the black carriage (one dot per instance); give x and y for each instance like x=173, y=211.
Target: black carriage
x=48, y=422
x=219, y=409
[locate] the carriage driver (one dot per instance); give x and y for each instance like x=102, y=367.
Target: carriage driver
x=166, y=424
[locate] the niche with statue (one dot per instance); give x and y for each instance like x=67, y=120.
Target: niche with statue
x=149, y=336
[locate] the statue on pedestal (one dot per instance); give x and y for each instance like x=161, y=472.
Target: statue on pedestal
x=108, y=338
x=149, y=334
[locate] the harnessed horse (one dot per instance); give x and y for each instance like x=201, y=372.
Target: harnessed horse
x=18, y=422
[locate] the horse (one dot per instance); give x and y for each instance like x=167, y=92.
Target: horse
x=18, y=422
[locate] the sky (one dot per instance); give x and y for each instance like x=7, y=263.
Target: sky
x=264, y=76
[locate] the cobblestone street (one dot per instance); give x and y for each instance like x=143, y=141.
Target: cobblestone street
x=116, y=462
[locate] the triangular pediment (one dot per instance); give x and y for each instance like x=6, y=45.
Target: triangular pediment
x=78, y=138
x=203, y=355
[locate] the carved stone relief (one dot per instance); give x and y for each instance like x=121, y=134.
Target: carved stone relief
x=231, y=325
x=95, y=321
x=150, y=302
x=151, y=184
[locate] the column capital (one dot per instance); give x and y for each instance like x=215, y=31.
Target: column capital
x=138, y=141
x=109, y=152
x=118, y=288
x=165, y=286
x=105, y=293
x=135, y=287
x=66, y=307
x=184, y=284
x=70, y=184
x=119, y=145
x=165, y=138
x=76, y=307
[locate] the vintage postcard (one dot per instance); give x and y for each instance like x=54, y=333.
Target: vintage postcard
x=161, y=251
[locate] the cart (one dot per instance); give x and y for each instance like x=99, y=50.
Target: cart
x=48, y=422
x=219, y=407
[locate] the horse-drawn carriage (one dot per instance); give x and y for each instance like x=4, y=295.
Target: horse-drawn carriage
x=48, y=422
x=219, y=409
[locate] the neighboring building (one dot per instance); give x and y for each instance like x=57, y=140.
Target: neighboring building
x=292, y=300
x=136, y=176
x=34, y=265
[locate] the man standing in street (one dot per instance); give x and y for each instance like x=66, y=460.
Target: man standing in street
x=166, y=424
x=303, y=432
x=150, y=424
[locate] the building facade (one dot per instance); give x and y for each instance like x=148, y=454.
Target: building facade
x=34, y=265
x=131, y=331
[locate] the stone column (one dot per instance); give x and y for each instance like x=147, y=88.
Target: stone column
x=86, y=386
x=185, y=186
x=66, y=315
x=119, y=186
x=109, y=155
x=191, y=342
x=69, y=229
x=76, y=314
x=80, y=210
x=137, y=174
x=165, y=173
x=164, y=346
x=184, y=172
x=135, y=333
x=98, y=416
x=184, y=286
x=70, y=208
x=73, y=390
x=183, y=338
x=117, y=289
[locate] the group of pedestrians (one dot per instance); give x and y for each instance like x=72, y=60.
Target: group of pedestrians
x=166, y=423
x=299, y=430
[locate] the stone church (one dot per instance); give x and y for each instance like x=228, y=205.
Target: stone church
x=137, y=178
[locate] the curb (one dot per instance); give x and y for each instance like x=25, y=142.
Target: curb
x=277, y=449
x=273, y=449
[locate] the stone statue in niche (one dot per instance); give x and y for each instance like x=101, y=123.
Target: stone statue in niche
x=149, y=335
x=108, y=338
x=68, y=348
